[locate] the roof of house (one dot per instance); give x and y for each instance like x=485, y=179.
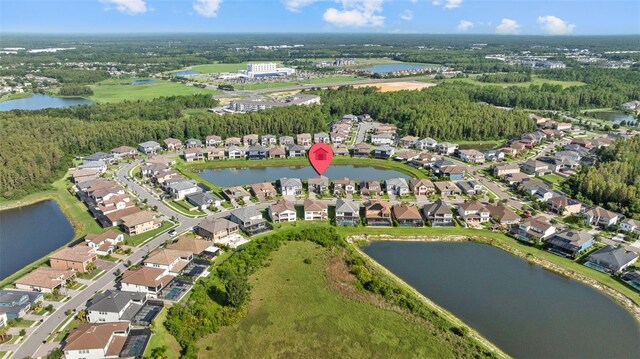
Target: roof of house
x=446, y=186
x=99, y=238
x=318, y=181
x=201, y=198
x=577, y=238
x=138, y=218
x=290, y=182
x=344, y=181
x=245, y=213
x=396, y=182
x=507, y=166
x=191, y=245
x=165, y=256
x=149, y=144
x=282, y=206
x=146, y=276
x=378, y=206
x=124, y=149
x=421, y=182
x=79, y=253
x=632, y=222
x=539, y=222
x=114, y=301
x=172, y=141
x=313, y=205
x=503, y=213
x=563, y=201
x=345, y=205
x=119, y=214
x=613, y=258
x=339, y=149
x=45, y=277
x=473, y=206
x=601, y=212
x=455, y=169
x=437, y=207
x=405, y=211
x=97, y=336
x=216, y=225
x=273, y=151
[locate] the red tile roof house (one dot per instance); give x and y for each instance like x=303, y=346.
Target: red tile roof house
x=96, y=340
x=44, y=279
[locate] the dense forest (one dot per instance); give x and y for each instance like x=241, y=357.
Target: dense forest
x=508, y=77
x=75, y=90
x=614, y=182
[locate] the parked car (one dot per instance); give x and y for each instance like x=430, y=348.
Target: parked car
x=172, y=232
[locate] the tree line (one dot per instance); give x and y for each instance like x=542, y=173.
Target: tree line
x=507, y=77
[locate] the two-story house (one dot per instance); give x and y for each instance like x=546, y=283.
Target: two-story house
x=347, y=212
x=315, y=210
x=282, y=211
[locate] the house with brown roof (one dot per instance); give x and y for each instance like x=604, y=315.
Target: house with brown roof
x=318, y=184
x=407, y=215
x=146, y=280
x=471, y=156
x=124, y=152
x=340, y=150
x=303, y=139
x=344, y=186
x=236, y=193
x=194, y=246
x=408, y=141
x=214, y=153
x=96, y=340
x=140, y=222
x=172, y=144
x=500, y=170
x=216, y=229
x=77, y=258
x=564, y=205
x=422, y=187
x=114, y=218
x=44, y=279
x=315, y=210
x=276, y=152
x=503, y=214
x=377, y=213
x=250, y=140
x=438, y=214
x=361, y=150
x=598, y=216
x=82, y=175
x=264, y=190
x=173, y=261
x=232, y=141
x=474, y=212
x=103, y=244
x=192, y=154
x=213, y=141
x=282, y=211
x=447, y=188
x=533, y=229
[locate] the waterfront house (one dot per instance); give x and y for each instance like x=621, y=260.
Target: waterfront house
x=370, y=188
x=264, y=191
x=318, y=184
x=503, y=214
x=405, y=156
x=257, y=152
x=214, y=153
x=569, y=243
x=407, y=215
x=632, y=278
x=361, y=150
x=611, y=259
x=282, y=211
x=290, y=186
x=533, y=229
x=378, y=213
x=191, y=154
x=347, y=212
x=296, y=151
x=340, y=150
x=236, y=193
x=315, y=210
x=474, y=212
x=236, y=152
x=277, y=152
x=343, y=186
x=216, y=228
x=182, y=188
x=383, y=152
x=203, y=200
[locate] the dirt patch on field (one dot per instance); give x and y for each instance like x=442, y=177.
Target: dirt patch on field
x=398, y=86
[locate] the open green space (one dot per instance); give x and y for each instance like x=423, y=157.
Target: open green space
x=217, y=67
x=119, y=90
x=138, y=239
x=14, y=96
x=315, y=81
x=552, y=178
x=162, y=338
x=535, y=80
x=304, y=304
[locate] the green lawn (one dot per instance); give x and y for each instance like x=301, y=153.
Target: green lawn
x=217, y=68
x=553, y=178
x=161, y=337
x=295, y=311
x=120, y=90
x=535, y=80
x=143, y=237
x=317, y=81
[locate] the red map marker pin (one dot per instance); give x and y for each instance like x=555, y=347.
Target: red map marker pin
x=320, y=156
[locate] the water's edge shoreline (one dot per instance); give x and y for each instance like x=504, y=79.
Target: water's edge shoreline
x=620, y=298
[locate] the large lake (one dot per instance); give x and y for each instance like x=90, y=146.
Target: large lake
x=613, y=116
x=29, y=233
x=387, y=68
x=526, y=310
x=241, y=176
x=39, y=101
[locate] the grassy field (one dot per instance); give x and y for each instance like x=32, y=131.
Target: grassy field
x=141, y=238
x=553, y=178
x=535, y=80
x=161, y=337
x=312, y=310
x=316, y=81
x=217, y=67
x=120, y=90
x=14, y=96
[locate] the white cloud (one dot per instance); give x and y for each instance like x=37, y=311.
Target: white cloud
x=297, y=5
x=407, y=15
x=508, y=27
x=554, y=25
x=356, y=13
x=207, y=8
x=448, y=4
x=465, y=25
x=131, y=7
x=413, y=1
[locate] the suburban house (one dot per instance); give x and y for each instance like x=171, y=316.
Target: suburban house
x=446, y=148
x=408, y=141
x=191, y=154
x=407, y=215
x=44, y=279
x=630, y=225
x=347, y=213
x=383, y=152
x=569, y=243
x=114, y=218
x=447, y=188
x=397, y=186
x=180, y=189
x=321, y=137
x=276, y=152
x=296, y=151
x=474, y=212
x=533, y=229
x=172, y=144
x=493, y=155
x=78, y=176
x=370, y=188
x=535, y=168
x=140, y=222
x=232, y=141
x=124, y=152
x=378, y=213
x=193, y=143
x=338, y=137
x=303, y=139
x=250, y=220
x=340, y=150
x=515, y=179
x=286, y=140
x=598, y=216
x=16, y=303
x=422, y=187
x=438, y=214
x=214, y=153
x=103, y=244
x=282, y=211
x=149, y=147
x=382, y=139
x=611, y=259
x=405, y=155
x=537, y=189
x=215, y=229
x=632, y=278
x=503, y=214
x=197, y=247
x=171, y=260
x=505, y=169
x=250, y=140
x=471, y=156
x=236, y=152
x=564, y=205
x=264, y=190
x=268, y=140
x=318, y=184
x=203, y=200
x=236, y=193
x=471, y=187
x=115, y=306
x=257, y=152
x=344, y=186
x=146, y=280
x=315, y=210
x=213, y=141
x=455, y=172
x=361, y=150
x=77, y=258
x=290, y=186
x=96, y=340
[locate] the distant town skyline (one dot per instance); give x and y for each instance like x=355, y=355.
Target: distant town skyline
x=525, y=17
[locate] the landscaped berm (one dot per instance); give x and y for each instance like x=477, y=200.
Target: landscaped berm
x=304, y=304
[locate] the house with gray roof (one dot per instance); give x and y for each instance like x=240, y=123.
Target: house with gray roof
x=296, y=151
x=427, y=143
x=250, y=220
x=115, y=306
x=383, y=152
x=347, y=212
x=290, y=186
x=216, y=228
x=438, y=214
x=16, y=303
x=397, y=186
x=318, y=184
x=149, y=147
x=257, y=152
x=203, y=200
x=235, y=152
x=179, y=190
x=611, y=259
x=569, y=243
x=470, y=187
x=630, y=225
x=193, y=143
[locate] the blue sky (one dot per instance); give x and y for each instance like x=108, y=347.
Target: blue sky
x=540, y=17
